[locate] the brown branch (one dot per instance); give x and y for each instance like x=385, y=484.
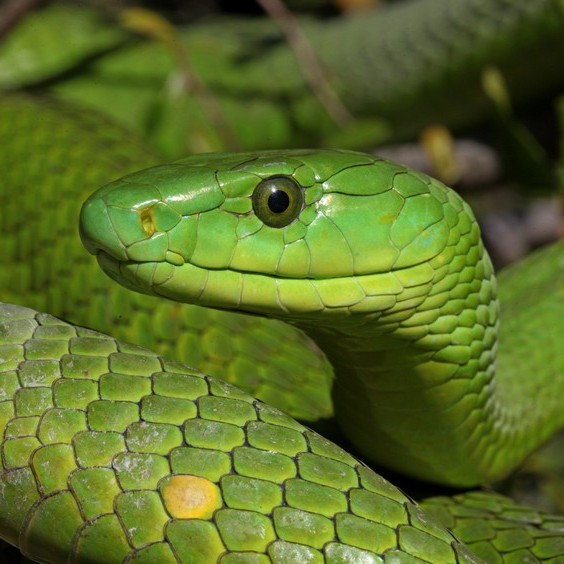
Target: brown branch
x=13, y=11
x=207, y=98
x=153, y=25
x=310, y=65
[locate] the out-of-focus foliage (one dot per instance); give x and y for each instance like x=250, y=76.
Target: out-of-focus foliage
x=224, y=82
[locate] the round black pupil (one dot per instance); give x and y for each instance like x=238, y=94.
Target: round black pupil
x=278, y=201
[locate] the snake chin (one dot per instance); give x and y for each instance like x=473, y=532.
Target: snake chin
x=120, y=272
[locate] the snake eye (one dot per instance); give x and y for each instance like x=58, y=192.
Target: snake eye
x=277, y=201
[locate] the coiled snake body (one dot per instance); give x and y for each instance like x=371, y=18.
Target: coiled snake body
x=138, y=458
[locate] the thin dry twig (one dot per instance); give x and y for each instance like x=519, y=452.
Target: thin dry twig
x=155, y=26
x=310, y=64
x=13, y=11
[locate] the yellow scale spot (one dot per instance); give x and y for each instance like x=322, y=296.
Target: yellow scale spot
x=191, y=497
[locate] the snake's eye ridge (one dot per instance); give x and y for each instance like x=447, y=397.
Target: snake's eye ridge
x=278, y=200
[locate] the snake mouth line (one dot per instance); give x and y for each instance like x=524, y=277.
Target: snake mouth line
x=117, y=269
x=265, y=294
x=111, y=263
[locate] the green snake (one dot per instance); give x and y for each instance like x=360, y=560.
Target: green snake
x=383, y=267
x=139, y=458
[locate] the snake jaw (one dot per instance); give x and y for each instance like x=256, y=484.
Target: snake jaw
x=116, y=269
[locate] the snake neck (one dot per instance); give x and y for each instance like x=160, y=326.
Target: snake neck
x=416, y=388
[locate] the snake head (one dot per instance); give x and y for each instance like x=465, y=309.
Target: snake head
x=283, y=233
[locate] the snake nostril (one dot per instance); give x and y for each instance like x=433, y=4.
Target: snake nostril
x=146, y=218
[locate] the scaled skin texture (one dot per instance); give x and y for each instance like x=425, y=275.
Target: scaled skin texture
x=382, y=266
